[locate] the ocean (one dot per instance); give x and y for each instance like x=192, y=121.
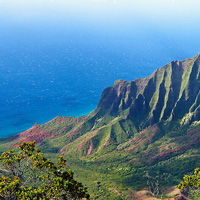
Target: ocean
x=51, y=67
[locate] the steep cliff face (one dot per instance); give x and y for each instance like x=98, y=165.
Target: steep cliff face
x=141, y=115
x=170, y=93
x=147, y=125
x=127, y=112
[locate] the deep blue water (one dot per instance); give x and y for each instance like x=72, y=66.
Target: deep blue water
x=61, y=68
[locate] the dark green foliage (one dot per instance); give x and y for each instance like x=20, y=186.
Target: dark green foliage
x=32, y=176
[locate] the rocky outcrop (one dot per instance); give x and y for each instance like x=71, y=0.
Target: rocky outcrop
x=161, y=96
x=132, y=116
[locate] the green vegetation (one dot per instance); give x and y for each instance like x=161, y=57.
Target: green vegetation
x=32, y=176
x=149, y=124
x=191, y=184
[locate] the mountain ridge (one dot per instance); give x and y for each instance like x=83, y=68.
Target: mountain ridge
x=129, y=107
x=143, y=124
x=145, y=92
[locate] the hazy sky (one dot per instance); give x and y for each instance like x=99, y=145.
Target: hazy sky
x=100, y=9
x=179, y=16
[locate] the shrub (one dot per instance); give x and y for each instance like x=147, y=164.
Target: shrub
x=32, y=176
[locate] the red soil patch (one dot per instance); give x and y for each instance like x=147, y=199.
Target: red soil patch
x=106, y=142
x=149, y=133
x=171, y=151
x=147, y=141
x=117, y=192
x=35, y=133
x=82, y=141
x=90, y=150
x=75, y=131
x=172, y=194
x=80, y=146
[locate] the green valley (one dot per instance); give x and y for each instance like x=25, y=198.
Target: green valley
x=147, y=125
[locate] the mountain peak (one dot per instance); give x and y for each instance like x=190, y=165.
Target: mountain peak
x=160, y=96
x=119, y=82
x=131, y=115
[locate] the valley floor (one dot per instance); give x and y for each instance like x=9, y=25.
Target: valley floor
x=171, y=193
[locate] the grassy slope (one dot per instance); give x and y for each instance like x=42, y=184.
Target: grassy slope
x=150, y=124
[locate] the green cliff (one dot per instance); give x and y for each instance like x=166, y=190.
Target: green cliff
x=150, y=124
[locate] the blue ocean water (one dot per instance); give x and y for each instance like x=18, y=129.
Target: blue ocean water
x=60, y=68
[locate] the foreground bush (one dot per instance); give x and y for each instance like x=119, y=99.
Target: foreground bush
x=32, y=176
x=191, y=184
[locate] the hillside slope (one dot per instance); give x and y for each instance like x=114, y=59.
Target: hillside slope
x=150, y=124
